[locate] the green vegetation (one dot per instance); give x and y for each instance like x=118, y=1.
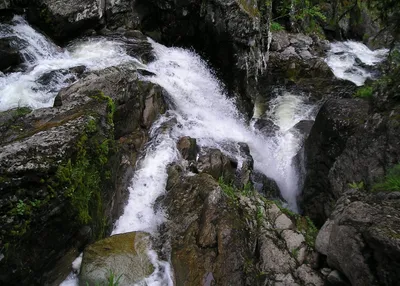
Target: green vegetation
x=275, y=27
x=303, y=224
x=303, y=15
x=295, y=253
x=309, y=230
x=357, y=186
x=391, y=182
x=21, y=111
x=228, y=189
x=364, y=92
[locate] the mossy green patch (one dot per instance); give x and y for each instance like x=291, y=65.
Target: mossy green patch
x=391, y=182
x=250, y=6
x=364, y=92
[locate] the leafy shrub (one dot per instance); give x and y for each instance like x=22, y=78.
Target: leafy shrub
x=364, y=92
x=275, y=27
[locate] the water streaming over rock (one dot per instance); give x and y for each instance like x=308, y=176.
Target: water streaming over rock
x=353, y=61
x=46, y=66
x=199, y=108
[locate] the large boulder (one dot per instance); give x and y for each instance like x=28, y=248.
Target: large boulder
x=124, y=256
x=232, y=236
x=347, y=145
x=63, y=20
x=336, y=121
x=65, y=170
x=361, y=238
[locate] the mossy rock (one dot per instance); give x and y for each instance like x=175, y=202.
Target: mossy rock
x=123, y=255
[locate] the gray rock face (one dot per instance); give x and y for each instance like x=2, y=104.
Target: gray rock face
x=347, y=145
x=44, y=153
x=361, y=238
x=336, y=121
x=123, y=255
x=233, y=234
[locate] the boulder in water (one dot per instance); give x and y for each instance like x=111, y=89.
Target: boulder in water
x=64, y=20
x=303, y=128
x=9, y=54
x=216, y=164
x=188, y=148
x=266, y=126
x=124, y=256
x=265, y=186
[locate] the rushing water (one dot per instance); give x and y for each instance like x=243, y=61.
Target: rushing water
x=41, y=57
x=352, y=61
x=199, y=108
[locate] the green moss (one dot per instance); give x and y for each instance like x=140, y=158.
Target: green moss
x=80, y=179
x=250, y=6
x=364, y=92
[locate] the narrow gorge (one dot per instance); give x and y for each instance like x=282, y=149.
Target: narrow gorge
x=199, y=143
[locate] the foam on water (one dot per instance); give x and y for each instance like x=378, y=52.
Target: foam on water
x=342, y=59
x=42, y=57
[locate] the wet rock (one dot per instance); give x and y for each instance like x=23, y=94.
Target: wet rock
x=121, y=13
x=9, y=54
x=309, y=276
x=124, y=255
x=216, y=164
x=46, y=153
x=280, y=41
x=303, y=129
x=265, y=186
x=64, y=20
x=266, y=126
x=231, y=235
x=188, y=148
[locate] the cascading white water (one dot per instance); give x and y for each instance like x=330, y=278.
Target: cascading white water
x=41, y=57
x=200, y=108
x=346, y=59
x=203, y=111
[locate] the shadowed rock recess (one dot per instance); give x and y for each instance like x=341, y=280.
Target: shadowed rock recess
x=69, y=169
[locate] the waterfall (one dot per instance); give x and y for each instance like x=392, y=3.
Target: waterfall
x=42, y=58
x=353, y=61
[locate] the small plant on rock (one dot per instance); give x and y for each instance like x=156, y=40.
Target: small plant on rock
x=357, y=186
